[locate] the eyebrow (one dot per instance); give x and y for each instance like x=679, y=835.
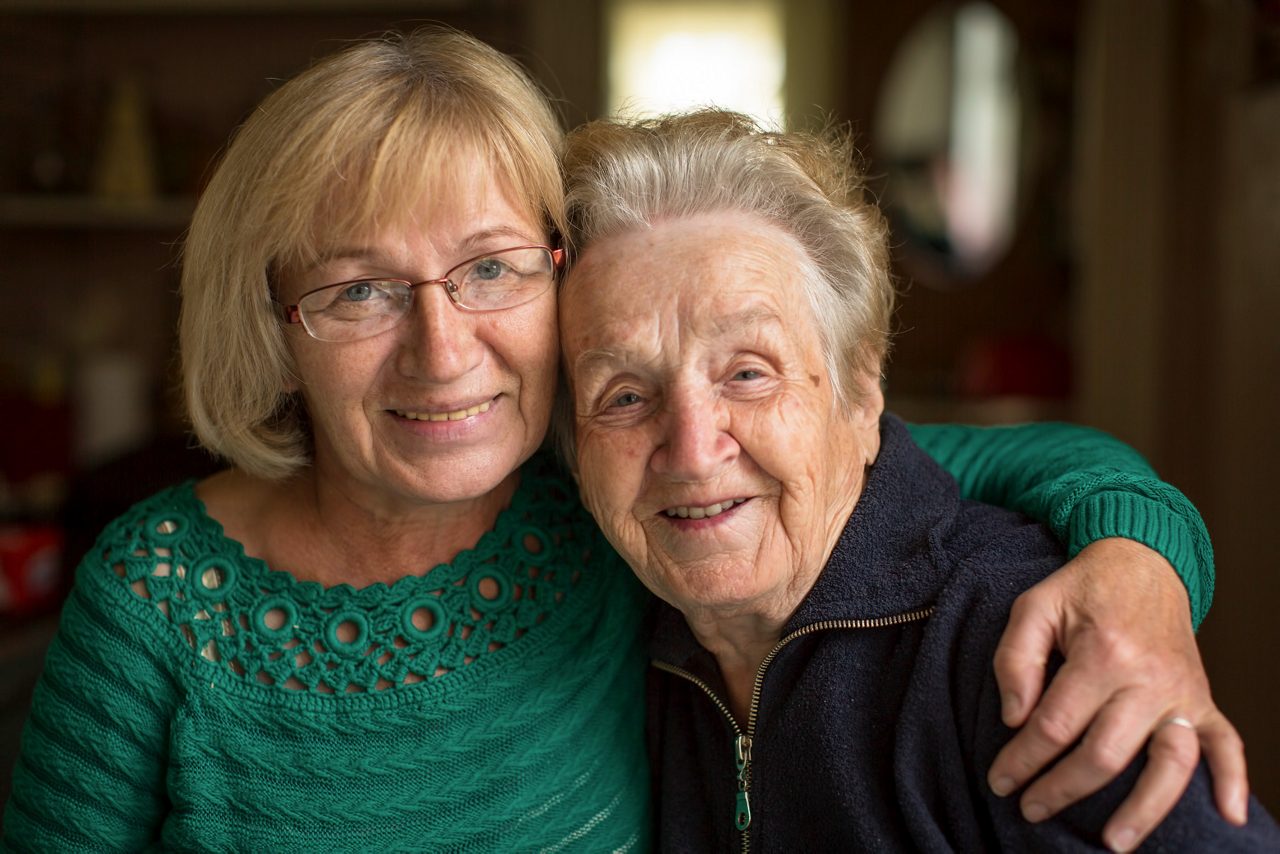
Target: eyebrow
x=598, y=358
x=751, y=316
x=368, y=253
x=590, y=360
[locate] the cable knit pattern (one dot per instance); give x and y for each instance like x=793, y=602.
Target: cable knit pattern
x=197, y=699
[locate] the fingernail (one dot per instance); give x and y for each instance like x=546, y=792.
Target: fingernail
x=1035, y=812
x=1003, y=786
x=1241, y=809
x=1123, y=839
x=1009, y=705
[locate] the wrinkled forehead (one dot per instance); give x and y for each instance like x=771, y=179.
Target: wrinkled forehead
x=715, y=277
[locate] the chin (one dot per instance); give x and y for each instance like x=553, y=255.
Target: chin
x=714, y=587
x=444, y=481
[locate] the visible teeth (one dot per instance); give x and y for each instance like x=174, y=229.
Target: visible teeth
x=456, y=415
x=685, y=512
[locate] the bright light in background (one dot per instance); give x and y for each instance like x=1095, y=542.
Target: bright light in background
x=984, y=139
x=666, y=56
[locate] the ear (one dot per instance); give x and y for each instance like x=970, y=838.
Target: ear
x=865, y=412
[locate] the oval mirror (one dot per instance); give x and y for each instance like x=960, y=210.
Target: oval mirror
x=950, y=139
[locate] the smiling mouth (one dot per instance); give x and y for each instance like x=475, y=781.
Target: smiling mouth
x=687, y=512
x=455, y=415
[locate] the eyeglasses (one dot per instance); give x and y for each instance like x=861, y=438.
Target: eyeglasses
x=362, y=308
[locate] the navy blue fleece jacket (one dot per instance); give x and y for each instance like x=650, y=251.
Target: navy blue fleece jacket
x=875, y=732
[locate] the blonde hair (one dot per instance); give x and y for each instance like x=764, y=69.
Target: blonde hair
x=622, y=176
x=348, y=146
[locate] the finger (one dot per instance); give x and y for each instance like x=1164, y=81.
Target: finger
x=1224, y=751
x=1172, y=755
x=1112, y=741
x=1021, y=658
x=1067, y=707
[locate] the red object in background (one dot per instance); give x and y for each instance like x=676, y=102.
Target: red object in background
x=30, y=568
x=1018, y=366
x=35, y=438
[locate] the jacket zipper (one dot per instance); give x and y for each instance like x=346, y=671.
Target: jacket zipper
x=742, y=741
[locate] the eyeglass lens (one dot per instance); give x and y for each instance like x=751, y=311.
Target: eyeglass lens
x=366, y=307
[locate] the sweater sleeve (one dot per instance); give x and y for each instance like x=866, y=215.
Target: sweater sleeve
x=90, y=774
x=1083, y=484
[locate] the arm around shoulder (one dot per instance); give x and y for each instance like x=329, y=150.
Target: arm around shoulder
x=1085, y=485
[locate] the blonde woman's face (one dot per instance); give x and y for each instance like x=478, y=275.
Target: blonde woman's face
x=447, y=404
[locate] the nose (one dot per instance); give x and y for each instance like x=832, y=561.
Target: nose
x=696, y=443
x=438, y=342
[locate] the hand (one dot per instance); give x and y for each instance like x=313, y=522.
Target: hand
x=1121, y=617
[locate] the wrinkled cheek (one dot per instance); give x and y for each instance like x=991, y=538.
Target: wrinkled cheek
x=607, y=466
x=592, y=483
x=608, y=494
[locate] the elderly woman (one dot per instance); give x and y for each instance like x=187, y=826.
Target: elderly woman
x=823, y=670
x=389, y=624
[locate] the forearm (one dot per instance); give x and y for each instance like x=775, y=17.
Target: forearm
x=1084, y=485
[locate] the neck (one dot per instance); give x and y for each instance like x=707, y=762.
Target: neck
x=739, y=644
x=318, y=533
x=366, y=544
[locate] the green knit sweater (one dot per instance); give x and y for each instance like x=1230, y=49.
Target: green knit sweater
x=1084, y=485
x=195, y=699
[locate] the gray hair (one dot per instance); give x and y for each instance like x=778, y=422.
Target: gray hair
x=622, y=176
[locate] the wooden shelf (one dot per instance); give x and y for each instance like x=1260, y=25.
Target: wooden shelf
x=237, y=7
x=63, y=212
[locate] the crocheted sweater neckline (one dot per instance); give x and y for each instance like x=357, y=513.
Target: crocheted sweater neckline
x=265, y=628
x=490, y=541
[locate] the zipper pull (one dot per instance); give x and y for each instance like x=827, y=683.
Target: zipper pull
x=742, y=755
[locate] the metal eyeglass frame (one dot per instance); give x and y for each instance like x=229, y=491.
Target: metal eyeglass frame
x=293, y=313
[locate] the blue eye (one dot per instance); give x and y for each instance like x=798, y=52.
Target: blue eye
x=358, y=292
x=747, y=374
x=489, y=269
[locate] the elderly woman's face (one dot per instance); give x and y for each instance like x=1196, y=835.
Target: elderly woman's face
x=447, y=404
x=710, y=446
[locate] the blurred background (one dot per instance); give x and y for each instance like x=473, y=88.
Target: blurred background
x=1085, y=198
